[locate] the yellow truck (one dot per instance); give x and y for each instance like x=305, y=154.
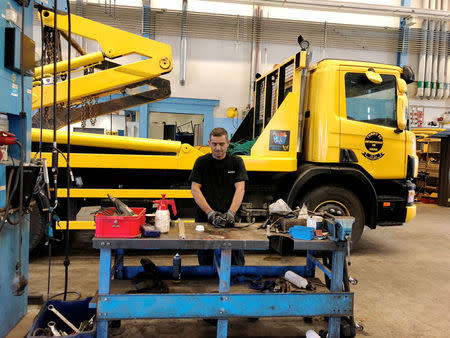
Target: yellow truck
x=331, y=135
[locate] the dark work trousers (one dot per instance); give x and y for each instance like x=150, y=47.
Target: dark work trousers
x=206, y=257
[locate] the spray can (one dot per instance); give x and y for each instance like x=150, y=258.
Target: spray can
x=162, y=215
x=176, y=270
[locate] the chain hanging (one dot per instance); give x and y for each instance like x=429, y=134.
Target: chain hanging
x=88, y=111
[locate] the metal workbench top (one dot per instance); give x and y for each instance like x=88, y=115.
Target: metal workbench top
x=249, y=238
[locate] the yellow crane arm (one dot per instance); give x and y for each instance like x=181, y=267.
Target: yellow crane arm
x=114, y=43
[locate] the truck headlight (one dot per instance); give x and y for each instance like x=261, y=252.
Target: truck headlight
x=411, y=194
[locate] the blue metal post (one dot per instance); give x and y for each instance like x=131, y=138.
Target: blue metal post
x=402, y=56
x=336, y=286
x=224, y=286
x=104, y=280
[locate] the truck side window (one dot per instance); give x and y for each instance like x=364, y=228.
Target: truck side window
x=369, y=102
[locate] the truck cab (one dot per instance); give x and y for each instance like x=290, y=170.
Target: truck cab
x=351, y=151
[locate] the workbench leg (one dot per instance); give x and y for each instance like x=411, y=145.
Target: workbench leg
x=310, y=266
x=118, y=261
x=104, y=280
x=224, y=286
x=337, y=273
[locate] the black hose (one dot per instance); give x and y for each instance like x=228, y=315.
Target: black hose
x=42, y=83
x=13, y=191
x=18, y=176
x=55, y=79
x=66, y=259
x=68, y=292
x=23, y=116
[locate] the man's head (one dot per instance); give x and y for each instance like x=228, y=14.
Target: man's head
x=218, y=141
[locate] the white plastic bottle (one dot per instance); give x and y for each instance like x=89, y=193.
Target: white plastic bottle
x=162, y=215
x=295, y=279
x=312, y=334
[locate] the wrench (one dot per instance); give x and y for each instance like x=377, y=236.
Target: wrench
x=86, y=324
x=352, y=281
x=52, y=327
x=64, y=319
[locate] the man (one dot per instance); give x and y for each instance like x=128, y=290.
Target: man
x=218, y=186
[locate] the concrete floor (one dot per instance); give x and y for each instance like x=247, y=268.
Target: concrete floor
x=403, y=289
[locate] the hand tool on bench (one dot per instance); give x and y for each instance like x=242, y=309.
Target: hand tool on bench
x=181, y=230
x=52, y=327
x=64, y=319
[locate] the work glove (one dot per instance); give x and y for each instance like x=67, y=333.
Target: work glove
x=229, y=218
x=212, y=215
x=217, y=219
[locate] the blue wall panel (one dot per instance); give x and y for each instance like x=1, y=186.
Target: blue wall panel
x=183, y=105
x=229, y=124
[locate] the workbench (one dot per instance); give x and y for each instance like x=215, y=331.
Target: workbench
x=222, y=304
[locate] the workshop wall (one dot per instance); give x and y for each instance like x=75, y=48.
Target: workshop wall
x=220, y=69
x=215, y=70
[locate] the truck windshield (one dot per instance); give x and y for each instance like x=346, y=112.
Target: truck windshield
x=369, y=102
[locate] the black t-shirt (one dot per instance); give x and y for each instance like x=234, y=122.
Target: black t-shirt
x=217, y=178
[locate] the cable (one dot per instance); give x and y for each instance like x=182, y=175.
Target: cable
x=13, y=191
x=68, y=292
x=62, y=154
x=66, y=259
x=19, y=176
x=54, y=152
x=42, y=83
x=23, y=116
x=55, y=79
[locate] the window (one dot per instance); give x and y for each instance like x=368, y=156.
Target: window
x=369, y=102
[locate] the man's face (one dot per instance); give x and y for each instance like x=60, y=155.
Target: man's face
x=219, y=146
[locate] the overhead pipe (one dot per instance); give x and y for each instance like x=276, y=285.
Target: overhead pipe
x=434, y=66
x=429, y=59
x=447, y=56
x=422, y=56
x=255, y=51
x=183, y=44
x=349, y=7
x=442, y=55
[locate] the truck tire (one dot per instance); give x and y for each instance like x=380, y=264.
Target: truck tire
x=38, y=220
x=37, y=227
x=338, y=201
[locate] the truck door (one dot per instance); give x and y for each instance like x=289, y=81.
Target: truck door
x=368, y=118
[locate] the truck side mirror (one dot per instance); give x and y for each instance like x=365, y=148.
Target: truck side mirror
x=373, y=76
x=402, y=87
x=402, y=104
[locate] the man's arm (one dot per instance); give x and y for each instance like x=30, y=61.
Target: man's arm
x=238, y=196
x=199, y=198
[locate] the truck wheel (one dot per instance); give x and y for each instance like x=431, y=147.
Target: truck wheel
x=37, y=227
x=38, y=220
x=337, y=201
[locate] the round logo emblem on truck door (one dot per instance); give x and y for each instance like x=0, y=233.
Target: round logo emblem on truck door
x=373, y=143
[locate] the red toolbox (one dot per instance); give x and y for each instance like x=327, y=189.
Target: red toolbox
x=119, y=226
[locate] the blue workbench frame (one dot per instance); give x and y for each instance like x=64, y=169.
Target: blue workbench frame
x=223, y=305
